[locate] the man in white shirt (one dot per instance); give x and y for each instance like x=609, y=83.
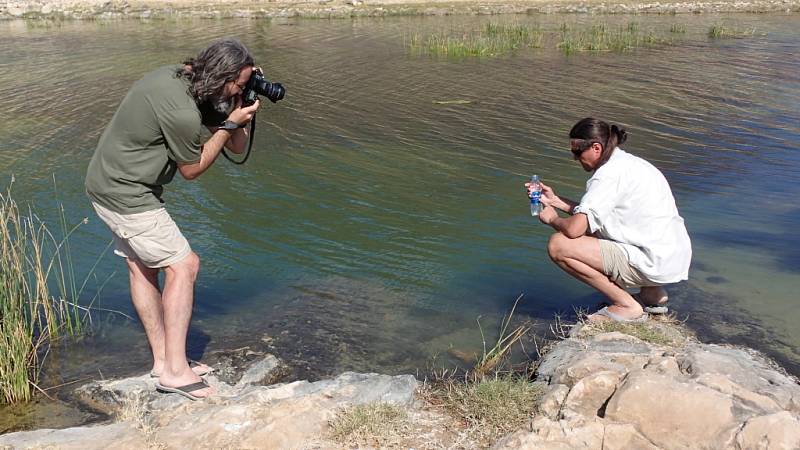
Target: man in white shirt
x=624, y=233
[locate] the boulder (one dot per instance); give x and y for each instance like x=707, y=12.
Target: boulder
x=624, y=437
x=672, y=413
x=119, y=435
x=551, y=401
x=548, y=434
x=246, y=415
x=589, y=395
x=745, y=368
x=779, y=431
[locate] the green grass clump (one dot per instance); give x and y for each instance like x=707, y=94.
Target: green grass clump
x=491, y=40
x=719, y=31
x=677, y=28
x=602, y=38
x=374, y=423
x=31, y=259
x=491, y=407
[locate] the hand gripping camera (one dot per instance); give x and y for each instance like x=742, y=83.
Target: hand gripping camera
x=258, y=85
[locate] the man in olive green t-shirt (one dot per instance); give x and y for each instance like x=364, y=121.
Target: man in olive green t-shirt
x=158, y=130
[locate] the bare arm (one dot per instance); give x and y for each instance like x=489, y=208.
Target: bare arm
x=208, y=154
x=572, y=227
x=237, y=143
x=549, y=198
x=235, y=140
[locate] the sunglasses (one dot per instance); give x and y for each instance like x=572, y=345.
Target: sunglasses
x=579, y=146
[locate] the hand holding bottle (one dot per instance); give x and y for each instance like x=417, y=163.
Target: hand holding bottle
x=535, y=194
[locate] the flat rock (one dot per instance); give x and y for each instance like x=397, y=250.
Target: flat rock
x=774, y=431
x=745, y=368
x=672, y=413
x=119, y=435
x=280, y=416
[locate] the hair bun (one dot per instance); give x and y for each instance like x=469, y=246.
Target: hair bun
x=621, y=134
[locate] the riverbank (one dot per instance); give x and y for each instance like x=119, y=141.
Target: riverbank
x=264, y=9
x=605, y=386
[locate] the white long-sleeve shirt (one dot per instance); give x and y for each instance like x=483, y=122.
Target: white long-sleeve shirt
x=628, y=201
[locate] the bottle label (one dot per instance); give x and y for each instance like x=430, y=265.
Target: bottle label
x=535, y=196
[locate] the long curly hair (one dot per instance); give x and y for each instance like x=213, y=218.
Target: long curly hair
x=219, y=63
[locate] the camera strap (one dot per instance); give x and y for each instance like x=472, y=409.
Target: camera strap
x=249, y=145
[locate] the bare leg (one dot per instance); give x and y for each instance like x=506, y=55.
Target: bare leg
x=178, y=298
x=146, y=296
x=580, y=257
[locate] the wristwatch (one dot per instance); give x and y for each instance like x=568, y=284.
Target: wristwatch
x=230, y=125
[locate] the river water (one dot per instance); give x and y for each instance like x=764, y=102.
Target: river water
x=382, y=210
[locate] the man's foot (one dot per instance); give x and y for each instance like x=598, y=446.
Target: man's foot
x=653, y=298
x=188, y=384
x=197, y=367
x=189, y=391
x=619, y=314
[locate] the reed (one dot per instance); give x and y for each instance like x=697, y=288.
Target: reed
x=677, y=28
x=32, y=261
x=492, y=358
x=491, y=40
x=719, y=31
x=602, y=38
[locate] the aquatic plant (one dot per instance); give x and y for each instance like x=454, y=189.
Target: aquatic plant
x=677, y=28
x=492, y=40
x=601, y=38
x=32, y=261
x=491, y=358
x=719, y=31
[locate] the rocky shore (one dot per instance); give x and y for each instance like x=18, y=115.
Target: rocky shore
x=647, y=387
x=261, y=9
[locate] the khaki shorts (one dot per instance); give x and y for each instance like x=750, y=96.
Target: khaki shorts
x=619, y=269
x=151, y=237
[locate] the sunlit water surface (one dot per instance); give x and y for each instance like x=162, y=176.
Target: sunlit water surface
x=377, y=219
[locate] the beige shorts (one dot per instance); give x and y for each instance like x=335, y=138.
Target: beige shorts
x=151, y=237
x=619, y=269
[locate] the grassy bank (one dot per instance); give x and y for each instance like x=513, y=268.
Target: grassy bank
x=37, y=297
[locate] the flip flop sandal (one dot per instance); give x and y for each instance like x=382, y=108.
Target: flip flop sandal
x=192, y=365
x=652, y=309
x=617, y=318
x=656, y=309
x=184, y=390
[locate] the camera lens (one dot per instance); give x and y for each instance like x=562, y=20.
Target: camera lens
x=257, y=85
x=274, y=92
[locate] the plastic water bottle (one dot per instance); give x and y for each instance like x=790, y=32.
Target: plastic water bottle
x=536, y=195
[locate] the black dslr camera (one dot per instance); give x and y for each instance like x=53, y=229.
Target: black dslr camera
x=258, y=85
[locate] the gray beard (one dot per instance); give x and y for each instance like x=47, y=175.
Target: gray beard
x=223, y=105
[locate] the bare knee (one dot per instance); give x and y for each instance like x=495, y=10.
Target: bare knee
x=556, y=246
x=188, y=267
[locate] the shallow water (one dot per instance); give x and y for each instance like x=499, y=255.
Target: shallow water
x=372, y=225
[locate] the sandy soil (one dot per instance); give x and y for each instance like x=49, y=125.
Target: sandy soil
x=112, y=9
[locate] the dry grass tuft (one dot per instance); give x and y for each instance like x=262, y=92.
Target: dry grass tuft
x=136, y=412
x=493, y=358
x=659, y=330
x=374, y=424
x=489, y=408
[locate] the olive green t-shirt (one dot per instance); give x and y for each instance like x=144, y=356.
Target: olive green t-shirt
x=157, y=126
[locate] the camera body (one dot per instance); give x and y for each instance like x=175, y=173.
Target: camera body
x=258, y=85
